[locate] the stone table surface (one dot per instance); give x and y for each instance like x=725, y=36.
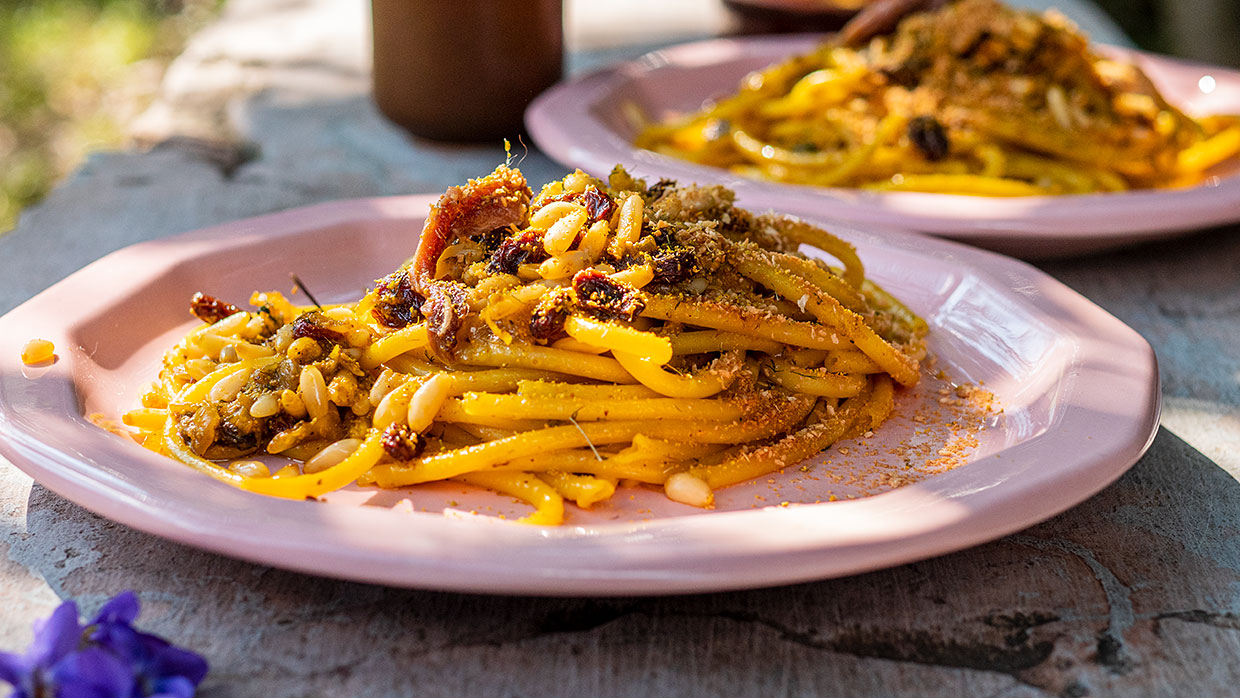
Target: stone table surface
x=1134, y=592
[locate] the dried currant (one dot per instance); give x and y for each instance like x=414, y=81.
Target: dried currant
x=604, y=297
x=445, y=309
x=210, y=309
x=929, y=136
x=315, y=326
x=598, y=204
x=522, y=248
x=396, y=303
x=547, y=320
x=400, y=443
x=674, y=266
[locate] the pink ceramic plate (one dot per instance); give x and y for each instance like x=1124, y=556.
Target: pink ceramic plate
x=588, y=122
x=1079, y=390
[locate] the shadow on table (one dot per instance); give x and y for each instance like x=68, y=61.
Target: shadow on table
x=1077, y=603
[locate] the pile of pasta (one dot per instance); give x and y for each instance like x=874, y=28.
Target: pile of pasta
x=548, y=347
x=973, y=98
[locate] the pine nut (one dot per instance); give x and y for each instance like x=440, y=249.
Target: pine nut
x=303, y=350
x=391, y=408
x=197, y=368
x=629, y=227
x=228, y=354
x=577, y=182
x=687, y=489
x=285, y=440
x=250, y=468
x=332, y=455
x=230, y=324
x=282, y=338
x=425, y=403
x=228, y=387
x=635, y=276
x=267, y=405
x=254, y=327
x=568, y=220
x=312, y=390
x=595, y=240
x=383, y=385
x=292, y=404
x=252, y=351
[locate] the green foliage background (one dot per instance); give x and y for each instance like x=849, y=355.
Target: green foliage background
x=71, y=73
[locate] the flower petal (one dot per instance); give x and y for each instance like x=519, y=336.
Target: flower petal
x=13, y=669
x=173, y=661
x=122, y=641
x=122, y=608
x=92, y=673
x=55, y=637
x=175, y=687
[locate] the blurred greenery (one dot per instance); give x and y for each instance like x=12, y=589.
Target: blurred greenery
x=72, y=73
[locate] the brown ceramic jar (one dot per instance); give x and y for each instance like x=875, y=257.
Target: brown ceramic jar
x=464, y=70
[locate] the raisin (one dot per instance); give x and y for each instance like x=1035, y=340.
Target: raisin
x=929, y=136
x=627, y=261
x=396, y=303
x=210, y=309
x=599, y=205
x=276, y=423
x=606, y=298
x=526, y=247
x=314, y=325
x=445, y=310
x=662, y=234
x=231, y=435
x=400, y=443
x=492, y=240
x=674, y=266
x=547, y=321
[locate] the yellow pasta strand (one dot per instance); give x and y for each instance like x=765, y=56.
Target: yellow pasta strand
x=700, y=384
x=548, y=504
x=619, y=338
x=585, y=410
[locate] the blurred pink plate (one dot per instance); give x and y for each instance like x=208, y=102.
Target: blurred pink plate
x=590, y=122
x=1079, y=390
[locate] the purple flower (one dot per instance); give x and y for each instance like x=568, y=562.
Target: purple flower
x=92, y=673
x=54, y=640
x=159, y=668
x=107, y=658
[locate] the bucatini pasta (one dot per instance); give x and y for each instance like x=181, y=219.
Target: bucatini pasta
x=973, y=98
x=548, y=347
